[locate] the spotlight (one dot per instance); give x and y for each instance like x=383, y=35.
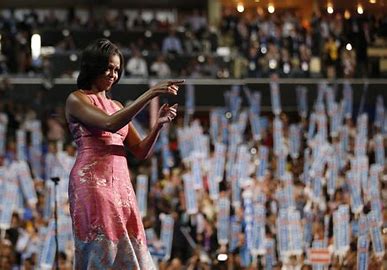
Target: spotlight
x=65, y=32
x=106, y=33
x=272, y=64
x=271, y=8
x=36, y=46
x=286, y=68
x=73, y=57
x=330, y=8
x=360, y=9
x=240, y=8
x=201, y=59
x=348, y=46
x=373, y=1
x=252, y=65
x=347, y=14
x=260, y=11
x=304, y=66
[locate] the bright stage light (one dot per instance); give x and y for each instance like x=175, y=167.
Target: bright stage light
x=240, y=7
x=271, y=8
x=330, y=8
x=360, y=9
x=347, y=14
x=36, y=45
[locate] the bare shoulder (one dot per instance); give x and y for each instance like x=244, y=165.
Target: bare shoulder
x=76, y=97
x=75, y=100
x=119, y=104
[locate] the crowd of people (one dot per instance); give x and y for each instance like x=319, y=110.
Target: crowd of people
x=237, y=189
x=242, y=45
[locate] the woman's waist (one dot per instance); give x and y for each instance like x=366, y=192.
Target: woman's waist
x=102, y=141
x=100, y=146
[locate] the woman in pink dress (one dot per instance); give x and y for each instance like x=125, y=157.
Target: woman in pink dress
x=107, y=226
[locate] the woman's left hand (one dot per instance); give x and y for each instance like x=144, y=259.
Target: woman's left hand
x=167, y=114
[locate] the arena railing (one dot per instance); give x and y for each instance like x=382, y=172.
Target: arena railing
x=209, y=93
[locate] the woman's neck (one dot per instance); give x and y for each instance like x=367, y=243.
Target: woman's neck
x=97, y=92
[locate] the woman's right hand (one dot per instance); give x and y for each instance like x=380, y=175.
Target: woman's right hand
x=166, y=87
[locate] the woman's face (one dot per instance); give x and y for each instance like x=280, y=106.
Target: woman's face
x=106, y=80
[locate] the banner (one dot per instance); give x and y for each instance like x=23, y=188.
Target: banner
x=167, y=157
x=275, y=98
x=196, y=172
x=47, y=255
x=220, y=160
x=308, y=226
x=281, y=166
x=379, y=112
x=356, y=199
x=142, y=193
x=283, y=234
x=166, y=234
x=190, y=99
x=302, y=102
x=263, y=160
x=25, y=181
x=235, y=190
x=8, y=202
x=236, y=229
x=223, y=220
x=242, y=164
x=341, y=230
x=254, y=100
x=3, y=132
x=36, y=148
x=330, y=100
x=379, y=150
x=235, y=101
x=248, y=218
x=242, y=121
x=295, y=140
x=348, y=100
x=259, y=232
x=21, y=145
x=190, y=194
x=362, y=252
x=270, y=257
x=213, y=182
x=311, y=126
x=278, y=136
x=215, y=116
x=255, y=126
x=295, y=232
x=376, y=235
x=332, y=173
x=154, y=170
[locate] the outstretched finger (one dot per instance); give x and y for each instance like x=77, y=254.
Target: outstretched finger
x=176, y=81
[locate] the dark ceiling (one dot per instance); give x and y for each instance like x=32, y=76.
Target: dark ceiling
x=168, y=4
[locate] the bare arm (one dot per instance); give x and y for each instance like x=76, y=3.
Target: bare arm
x=79, y=107
x=142, y=148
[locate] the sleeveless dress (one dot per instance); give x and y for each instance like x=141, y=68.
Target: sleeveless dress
x=107, y=226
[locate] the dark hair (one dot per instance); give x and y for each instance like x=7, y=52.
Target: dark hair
x=95, y=60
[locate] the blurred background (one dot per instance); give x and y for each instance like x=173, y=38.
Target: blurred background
x=307, y=77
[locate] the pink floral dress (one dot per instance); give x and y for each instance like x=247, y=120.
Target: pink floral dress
x=108, y=230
